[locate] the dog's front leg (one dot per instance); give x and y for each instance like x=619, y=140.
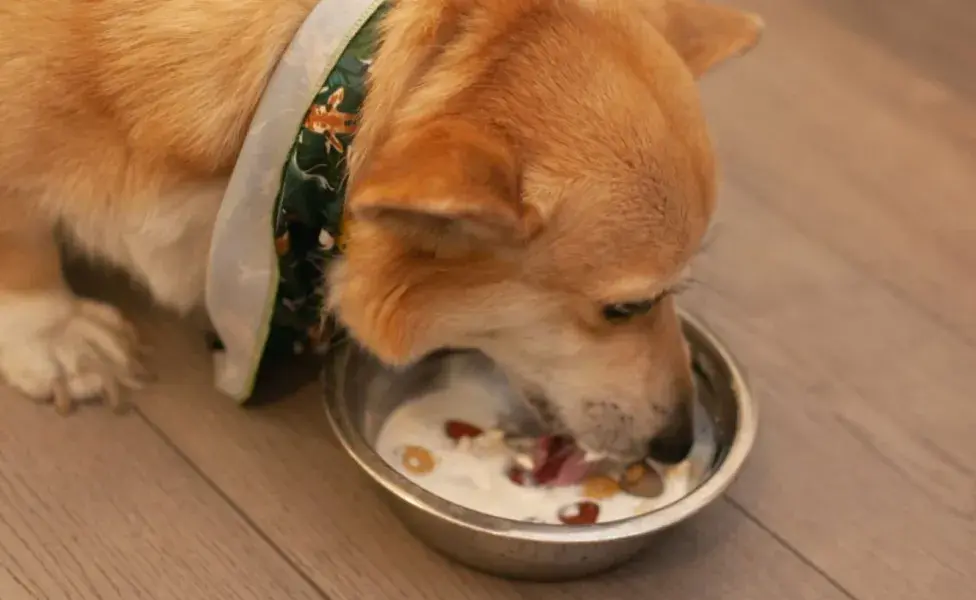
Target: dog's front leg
x=55, y=346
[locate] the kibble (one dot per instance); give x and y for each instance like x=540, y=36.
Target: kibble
x=642, y=481
x=580, y=513
x=461, y=429
x=600, y=487
x=418, y=460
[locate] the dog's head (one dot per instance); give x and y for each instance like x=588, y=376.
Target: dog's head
x=531, y=180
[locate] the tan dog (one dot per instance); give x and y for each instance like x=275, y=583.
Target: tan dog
x=531, y=179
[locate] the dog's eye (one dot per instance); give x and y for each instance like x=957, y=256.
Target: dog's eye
x=616, y=313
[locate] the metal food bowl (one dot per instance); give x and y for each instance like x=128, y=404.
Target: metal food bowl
x=361, y=393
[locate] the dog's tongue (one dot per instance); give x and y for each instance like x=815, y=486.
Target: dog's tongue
x=575, y=468
x=559, y=462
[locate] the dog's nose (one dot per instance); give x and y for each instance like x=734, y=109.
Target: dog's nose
x=674, y=443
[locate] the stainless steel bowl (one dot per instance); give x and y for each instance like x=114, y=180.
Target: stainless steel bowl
x=361, y=393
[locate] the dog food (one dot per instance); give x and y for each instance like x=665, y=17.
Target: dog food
x=461, y=429
x=599, y=487
x=583, y=512
x=642, y=481
x=449, y=442
x=417, y=460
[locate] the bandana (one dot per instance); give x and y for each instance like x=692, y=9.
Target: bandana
x=281, y=222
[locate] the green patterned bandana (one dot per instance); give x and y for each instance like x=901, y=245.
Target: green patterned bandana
x=279, y=225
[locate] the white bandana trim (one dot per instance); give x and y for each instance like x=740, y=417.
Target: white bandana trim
x=242, y=275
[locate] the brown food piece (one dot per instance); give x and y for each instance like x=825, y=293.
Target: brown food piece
x=643, y=481
x=580, y=513
x=600, y=487
x=633, y=473
x=417, y=460
x=461, y=429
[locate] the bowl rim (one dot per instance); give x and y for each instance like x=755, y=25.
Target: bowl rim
x=707, y=492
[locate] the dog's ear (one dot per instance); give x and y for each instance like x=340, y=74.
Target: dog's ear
x=449, y=180
x=705, y=34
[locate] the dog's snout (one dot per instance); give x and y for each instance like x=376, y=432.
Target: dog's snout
x=674, y=443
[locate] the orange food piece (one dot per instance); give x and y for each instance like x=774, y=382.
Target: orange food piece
x=417, y=460
x=600, y=487
x=634, y=473
x=648, y=485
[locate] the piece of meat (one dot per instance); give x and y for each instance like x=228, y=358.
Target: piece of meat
x=580, y=513
x=460, y=429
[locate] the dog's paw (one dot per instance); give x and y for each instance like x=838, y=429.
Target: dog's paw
x=67, y=350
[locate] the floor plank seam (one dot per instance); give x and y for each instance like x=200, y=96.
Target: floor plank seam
x=241, y=514
x=28, y=589
x=790, y=548
x=966, y=516
x=834, y=252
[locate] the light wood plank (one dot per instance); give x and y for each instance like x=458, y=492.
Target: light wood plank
x=857, y=149
x=97, y=507
x=934, y=36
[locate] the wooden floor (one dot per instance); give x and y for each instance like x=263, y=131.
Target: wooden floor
x=843, y=273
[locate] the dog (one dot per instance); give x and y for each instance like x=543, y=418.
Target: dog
x=530, y=179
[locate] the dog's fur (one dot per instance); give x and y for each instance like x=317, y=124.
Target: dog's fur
x=520, y=165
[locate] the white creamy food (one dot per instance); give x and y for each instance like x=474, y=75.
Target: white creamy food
x=474, y=472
